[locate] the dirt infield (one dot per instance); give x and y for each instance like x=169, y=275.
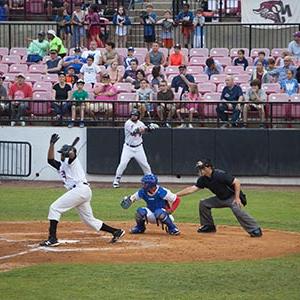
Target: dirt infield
x=19, y=245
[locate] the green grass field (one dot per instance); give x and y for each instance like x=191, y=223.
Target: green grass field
x=262, y=279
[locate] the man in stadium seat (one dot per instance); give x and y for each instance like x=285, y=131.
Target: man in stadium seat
x=212, y=67
x=182, y=81
x=54, y=64
x=76, y=61
x=94, y=52
x=241, y=60
x=110, y=55
x=294, y=46
x=155, y=57
x=4, y=106
x=56, y=43
x=130, y=56
x=38, y=48
x=261, y=58
x=260, y=73
x=130, y=74
x=281, y=71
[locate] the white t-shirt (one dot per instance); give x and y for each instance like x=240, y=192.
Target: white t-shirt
x=130, y=126
x=89, y=73
x=95, y=53
x=71, y=174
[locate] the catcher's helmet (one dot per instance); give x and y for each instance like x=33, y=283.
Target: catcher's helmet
x=149, y=181
x=135, y=112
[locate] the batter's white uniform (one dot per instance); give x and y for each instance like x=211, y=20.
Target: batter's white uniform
x=132, y=148
x=78, y=196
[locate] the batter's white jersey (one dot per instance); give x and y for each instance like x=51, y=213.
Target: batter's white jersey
x=130, y=138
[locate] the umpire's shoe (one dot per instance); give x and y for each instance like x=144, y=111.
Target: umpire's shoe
x=50, y=243
x=207, y=229
x=117, y=235
x=256, y=232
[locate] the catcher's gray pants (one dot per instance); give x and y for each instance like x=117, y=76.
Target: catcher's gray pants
x=205, y=206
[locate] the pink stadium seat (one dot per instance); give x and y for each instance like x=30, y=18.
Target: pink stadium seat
x=197, y=61
x=218, y=78
x=45, y=58
x=234, y=70
x=125, y=87
x=49, y=77
x=234, y=52
x=295, y=107
x=220, y=87
x=18, y=51
x=224, y=61
x=185, y=51
x=280, y=110
x=123, y=109
x=33, y=77
x=141, y=51
x=170, y=78
x=37, y=69
x=11, y=59
x=10, y=77
x=250, y=69
x=172, y=70
x=277, y=51
x=4, y=51
x=24, y=59
x=42, y=107
x=216, y=52
x=3, y=68
x=241, y=78
x=194, y=69
x=199, y=52
x=121, y=69
x=250, y=61
x=147, y=69
x=45, y=86
x=254, y=52
x=244, y=87
x=200, y=78
x=35, y=7
x=207, y=87
x=122, y=51
x=165, y=51
x=140, y=58
x=210, y=109
x=18, y=68
x=271, y=88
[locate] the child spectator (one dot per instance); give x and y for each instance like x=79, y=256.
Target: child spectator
x=290, y=84
x=144, y=95
x=140, y=75
x=198, y=22
x=114, y=73
x=89, y=71
x=79, y=97
x=157, y=78
x=241, y=60
x=167, y=25
x=212, y=67
x=186, y=18
x=148, y=18
x=71, y=77
x=121, y=21
x=261, y=58
x=77, y=20
x=271, y=67
x=129, y=57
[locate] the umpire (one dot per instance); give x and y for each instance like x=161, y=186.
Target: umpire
x=227, y=190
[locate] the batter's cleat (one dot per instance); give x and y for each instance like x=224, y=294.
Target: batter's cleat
x=207, y=229
x=173, y=231
x=117, y=235
x=137, y=230
x=116, y=185
x=50, y=243
x=256, y=233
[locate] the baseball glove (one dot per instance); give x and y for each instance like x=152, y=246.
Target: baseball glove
x=152, y=126
x=54, y=138
x=126, y=202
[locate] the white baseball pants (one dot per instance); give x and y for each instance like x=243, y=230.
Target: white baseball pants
x=79, y=198
x=151, y=217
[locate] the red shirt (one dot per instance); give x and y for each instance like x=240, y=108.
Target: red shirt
x=176, y=59
x=19, y=92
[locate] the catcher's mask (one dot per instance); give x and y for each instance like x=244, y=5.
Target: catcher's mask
x=65, y=149
x=149, y=181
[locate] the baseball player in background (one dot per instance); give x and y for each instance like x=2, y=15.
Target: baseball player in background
x=160, y=204
x=78, y=195
x=133, y=145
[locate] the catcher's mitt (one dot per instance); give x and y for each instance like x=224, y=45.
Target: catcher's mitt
x=126, y=202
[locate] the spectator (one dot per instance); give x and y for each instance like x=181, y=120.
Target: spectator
x=54, y=64
x=182, y=80
x=93, y=21
x=114, y=73
x=212, y=67
x=94, y=52
x=38, y=48
x=256, y=97
x=121, y=21
x=78, y=18
x=167, y=107
x=4, y=106
x=129, y=57
x=140, y=75
x=261, y=58
x=76, y=61
x=130, y=74
x=298, y=74
x=290, y=84
x=144, y=97
x=64, y=26
x=55, y=43
x=280, y=60
x=271, y=67
x=281, y=71
x=61, y=91
x=294, y=46
x=20, y=90
x=4, y=11
x=241, y=60
x=157, y=77
x=110, y=55
x=231, y=93
x=260, y=73
x=186, y=18
x=79, y=97
x=190, y=108
x=198, y=22
x=148, y=18
x=177, y=58
x=89, y=71
x=167, y=26
x=71, y=77
x=104, y=91
x=154, y=56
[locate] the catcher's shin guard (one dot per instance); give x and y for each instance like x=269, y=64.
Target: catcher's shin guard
x=140, y=218
x=164, y=218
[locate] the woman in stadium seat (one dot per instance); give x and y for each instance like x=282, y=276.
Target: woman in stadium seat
x=114, y=73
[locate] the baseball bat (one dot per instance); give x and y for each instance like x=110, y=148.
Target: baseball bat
x=75, y=141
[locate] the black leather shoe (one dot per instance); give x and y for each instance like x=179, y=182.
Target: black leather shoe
x=256, y=233
x=207, y=229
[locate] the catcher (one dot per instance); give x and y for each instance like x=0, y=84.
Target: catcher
x=161, y=203
x=78, y=195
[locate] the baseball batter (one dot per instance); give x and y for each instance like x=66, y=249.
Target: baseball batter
x=78, y=195
x=160, y=204
x=133, y=145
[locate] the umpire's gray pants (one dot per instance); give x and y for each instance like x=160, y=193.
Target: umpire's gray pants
x=205, y=206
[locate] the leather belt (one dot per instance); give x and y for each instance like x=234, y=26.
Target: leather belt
x=74, y=186
x=134, y=146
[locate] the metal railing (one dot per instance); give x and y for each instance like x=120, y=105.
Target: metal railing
x=15, y=159
x=215, y=35
x=115, y=113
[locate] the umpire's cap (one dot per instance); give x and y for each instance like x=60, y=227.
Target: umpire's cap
x=206, y=162
x=135, y=112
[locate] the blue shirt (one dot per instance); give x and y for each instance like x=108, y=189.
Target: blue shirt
x=149, y=29
x=178, y=82
x=185, y=16
x=264, y=62
x=232, y=94
x=281, y=72
x=76, y=67
x=290, y=86
x=217, y=70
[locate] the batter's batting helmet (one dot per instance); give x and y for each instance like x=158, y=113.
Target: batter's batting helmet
x=65, y=149
x=149, y=181
x=135, y=112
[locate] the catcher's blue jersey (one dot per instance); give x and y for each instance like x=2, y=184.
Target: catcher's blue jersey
x=155, y=201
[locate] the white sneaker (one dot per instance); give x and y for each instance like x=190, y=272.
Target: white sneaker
x=191, y=126
x=22, y=123
x=181, y=126
x=12, y=123
x=116, y=184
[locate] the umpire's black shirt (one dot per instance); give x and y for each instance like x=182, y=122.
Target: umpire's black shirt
x=220, y=183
